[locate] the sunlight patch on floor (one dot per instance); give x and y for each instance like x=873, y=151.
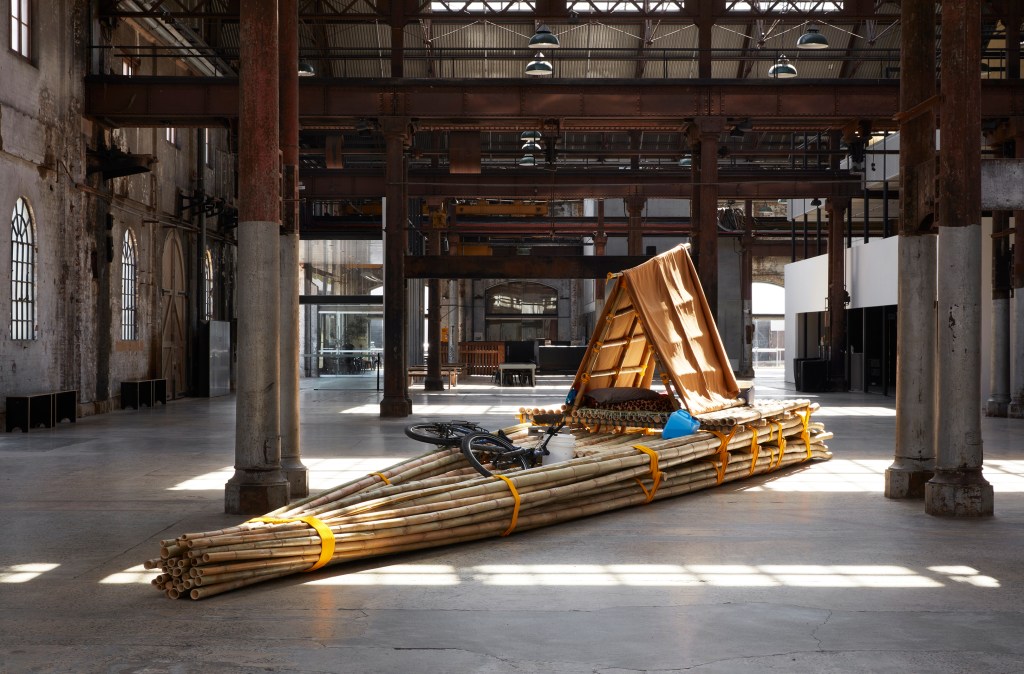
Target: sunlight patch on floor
x=875, y=576
x=23, y=573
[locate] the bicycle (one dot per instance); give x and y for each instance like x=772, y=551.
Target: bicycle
x=484, y=449
x=442, y=433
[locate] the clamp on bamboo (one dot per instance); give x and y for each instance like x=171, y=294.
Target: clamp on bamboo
x=383, y=477
x=322, y=530
x=656, y=474
x=515, y=508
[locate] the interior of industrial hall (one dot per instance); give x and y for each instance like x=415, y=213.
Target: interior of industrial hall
x=251, y=241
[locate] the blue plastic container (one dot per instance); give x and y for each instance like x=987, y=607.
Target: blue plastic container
x=679, y=424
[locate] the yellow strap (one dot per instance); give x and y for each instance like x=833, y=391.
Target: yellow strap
x=782, y=445
x=755, y=449
x=805, y=418
x=383, y=477
x=515, y=508
x=656, y=474
x=723, y=452
x=322, y=530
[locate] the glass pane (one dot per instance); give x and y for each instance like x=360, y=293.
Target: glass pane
x=342, y=267
x=15, y=35
x=24, y=40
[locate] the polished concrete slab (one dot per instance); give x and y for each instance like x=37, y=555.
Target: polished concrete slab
x=805, y=570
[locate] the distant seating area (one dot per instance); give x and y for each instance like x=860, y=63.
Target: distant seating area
x=41, y=409
x=452, y=372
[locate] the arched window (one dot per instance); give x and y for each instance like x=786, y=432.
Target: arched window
x=208, y=286
x=23, y=272
x=129, y=289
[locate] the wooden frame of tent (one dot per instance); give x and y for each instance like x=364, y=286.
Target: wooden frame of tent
x=656, y=315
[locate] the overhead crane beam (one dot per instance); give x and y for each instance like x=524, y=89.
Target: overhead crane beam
x=596, y=105
x=566, y=184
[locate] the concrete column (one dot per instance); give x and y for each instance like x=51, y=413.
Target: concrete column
x=746, y=361
x=998, y=401
x=837, y=295
x=914, y=459
x=395, y=402
x=958, y=488
x=258, y=484
x=634, y=230
x=433, y=382
x=291, y=455
x=1015, y=410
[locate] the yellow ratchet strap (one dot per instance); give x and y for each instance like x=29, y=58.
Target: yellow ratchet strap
x=383, y=477
x=782, y=445
x=805, y=418
x=515, y=508
x=723, y=452
x=322, y=530
x=656, y=474
x=755, y=449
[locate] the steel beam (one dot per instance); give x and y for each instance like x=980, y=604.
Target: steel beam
x=580, y=104
x=561, y=184
x=518, y=266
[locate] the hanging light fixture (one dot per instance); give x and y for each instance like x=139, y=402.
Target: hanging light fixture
x=306, y=69
x=538, y=67
x=685, y=162
x=527, y=160
x=527, y=136
x=782, y=69
x=532, y=146
x=812, y=39
x=544, y=39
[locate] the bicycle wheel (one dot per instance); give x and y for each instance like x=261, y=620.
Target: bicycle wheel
x=486, y=451
x=443, y=433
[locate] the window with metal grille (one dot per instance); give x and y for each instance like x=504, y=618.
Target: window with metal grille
x=129, y=290
x=23, y=273
x=208, y=286
x=21, y=40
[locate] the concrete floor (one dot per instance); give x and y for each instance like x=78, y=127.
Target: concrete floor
x=807, y=570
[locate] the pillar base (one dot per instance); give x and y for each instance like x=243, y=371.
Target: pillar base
x=906, y=480
x=297, y=476
x=433, y=384
x=251, y=492
x=995, y=407
x=395, y=407
x=958, y=493
x=1015, y=410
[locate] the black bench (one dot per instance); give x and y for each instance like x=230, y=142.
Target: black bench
x=139, y=392
x=41, y=409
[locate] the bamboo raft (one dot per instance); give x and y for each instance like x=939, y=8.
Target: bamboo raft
x=437, y=499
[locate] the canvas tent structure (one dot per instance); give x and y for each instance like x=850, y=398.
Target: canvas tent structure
x=656, y=315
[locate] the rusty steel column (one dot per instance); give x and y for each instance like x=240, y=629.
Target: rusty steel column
x=433, y=382
x=914, y=457
x=746, y=361
x=958, y=487
x=998, y=402
x=634, y=231
x=837, y=295
x=258, y=485
x=395, y=402
x=600, y=243
x=707, y=266
x=291, y=455
x=1016, y=407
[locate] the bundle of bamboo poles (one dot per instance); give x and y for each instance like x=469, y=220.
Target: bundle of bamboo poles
x=437, y=499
